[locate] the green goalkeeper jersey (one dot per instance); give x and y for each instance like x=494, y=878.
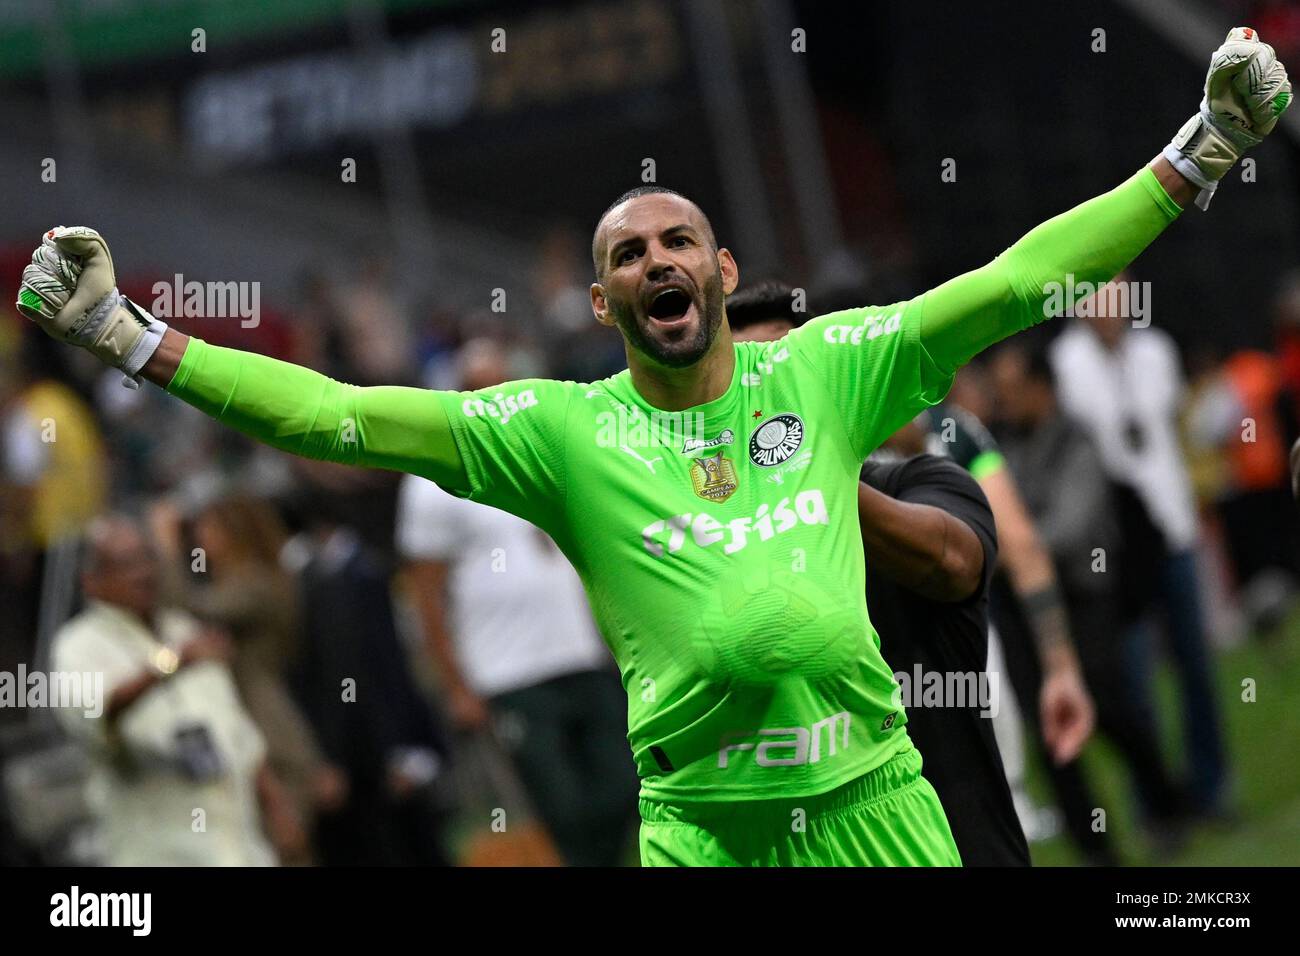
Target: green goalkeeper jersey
x=719, y=546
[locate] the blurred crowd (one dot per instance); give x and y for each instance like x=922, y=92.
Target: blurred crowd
x=329, y=689
x=1159, y=482
x=353, y=674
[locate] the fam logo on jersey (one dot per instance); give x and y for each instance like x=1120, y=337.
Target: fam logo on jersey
x=714, y=477
x=725, y=437
x=774, y=441
x=789, y=746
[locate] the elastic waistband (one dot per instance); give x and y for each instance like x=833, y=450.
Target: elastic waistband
x=898, y=772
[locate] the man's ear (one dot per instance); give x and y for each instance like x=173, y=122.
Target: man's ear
x=599, y=307
x=730, y=271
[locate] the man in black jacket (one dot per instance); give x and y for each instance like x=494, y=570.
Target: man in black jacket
x=931, y=548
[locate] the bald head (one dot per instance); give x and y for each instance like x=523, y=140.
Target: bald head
x=614, y=220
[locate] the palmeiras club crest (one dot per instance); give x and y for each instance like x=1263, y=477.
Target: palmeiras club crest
x=774, y=441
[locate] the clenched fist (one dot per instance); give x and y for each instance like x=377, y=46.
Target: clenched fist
x=70, y=291
x=1246, y=90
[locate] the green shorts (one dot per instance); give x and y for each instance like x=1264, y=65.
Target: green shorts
x=888, y=817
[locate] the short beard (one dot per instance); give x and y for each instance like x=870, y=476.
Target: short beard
x=684, y=353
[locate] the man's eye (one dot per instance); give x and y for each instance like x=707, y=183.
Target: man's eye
x=626, y=255
x=679, y=239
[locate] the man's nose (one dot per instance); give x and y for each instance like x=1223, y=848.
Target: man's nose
x=658, y=263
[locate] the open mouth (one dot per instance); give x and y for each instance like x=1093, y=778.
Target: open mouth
x=670, y=307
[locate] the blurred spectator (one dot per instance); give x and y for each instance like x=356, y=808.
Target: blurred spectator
x=173, y=738
x=1068, y=494
x=972, y=391
x=561, y=276
x=363, y=499
x=1286, y=332
x=508, y=625
x=1125, y=387
x=255, y=601
x=318, y=341
x=580, y=348
x=438, y=338
x=1029, y=632
x=153, y=443
x=1210, y=415
x=12, y=850
x=354, y=683
x=1246, y=416
x=54, y=478
x=375, y=328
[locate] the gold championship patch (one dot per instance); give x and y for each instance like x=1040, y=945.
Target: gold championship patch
x=714, y=477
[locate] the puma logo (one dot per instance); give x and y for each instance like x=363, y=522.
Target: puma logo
x=649, y=464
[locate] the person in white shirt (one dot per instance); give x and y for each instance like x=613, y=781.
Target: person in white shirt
x=179, y=775
x=506, y=619
x=1124, y=385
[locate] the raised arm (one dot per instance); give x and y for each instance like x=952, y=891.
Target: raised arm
x=1091, y=243
x=70, y=291
x=1246, y=90
x=306, y=413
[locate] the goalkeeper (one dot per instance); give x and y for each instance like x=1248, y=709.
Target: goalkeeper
x=719, y=546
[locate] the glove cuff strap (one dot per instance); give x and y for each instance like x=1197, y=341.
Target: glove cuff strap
x=1193, y=175
x=1203, y=155
x=145, y=345
x=1208, y=150
x=120, y=334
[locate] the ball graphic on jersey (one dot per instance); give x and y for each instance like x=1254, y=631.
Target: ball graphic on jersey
x=764, y=625
x=774, y=441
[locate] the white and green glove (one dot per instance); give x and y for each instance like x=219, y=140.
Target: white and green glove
x=1246, y=90
x=70, y=291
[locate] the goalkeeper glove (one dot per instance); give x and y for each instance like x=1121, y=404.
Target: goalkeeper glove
x=1246, y=90
x=69, y=290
